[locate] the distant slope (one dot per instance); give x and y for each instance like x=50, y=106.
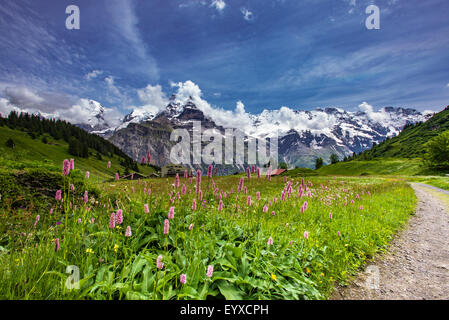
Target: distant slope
x=410, y=143
x=31, y=152
x=379, y=166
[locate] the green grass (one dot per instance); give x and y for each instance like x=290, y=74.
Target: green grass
x=384, y=166
x=439, y=182
x=33, y=153
x=233, y=240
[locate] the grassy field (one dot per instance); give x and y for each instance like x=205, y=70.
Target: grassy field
x=384, y=166
x=259, y=249
x=33, y=153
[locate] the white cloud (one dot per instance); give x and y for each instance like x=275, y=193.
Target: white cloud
x=93, y=74
x=110, y=82
x=50, y=105
x=378, y=116
x=247, y=15
x=218, y=4
x=447, y=85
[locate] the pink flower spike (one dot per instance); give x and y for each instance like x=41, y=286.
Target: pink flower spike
x=112, y=221
x=166, y=226
x=87, y=174
x=183, y=279
x=339, y=234
x=270, y=241
x=38, y=217
x=273, y=213
x=128, y=231
x=119, y=216
x=85, y=197
x=159, y=263
x=191, y=227
x=58, y=195
x=66, y=167
x=57, y=244
x=330, y=215
x=109, y=164
x=194, y=204
x=306, y=234
x=210, y=271
x=146, y=208
x=171, y=213
x=258, y=196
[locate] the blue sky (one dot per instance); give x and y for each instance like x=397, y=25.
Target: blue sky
x=265, y=53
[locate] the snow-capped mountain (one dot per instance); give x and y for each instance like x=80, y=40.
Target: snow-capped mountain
x=95, y=121
x=303, y=135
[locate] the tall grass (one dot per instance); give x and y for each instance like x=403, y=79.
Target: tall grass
x=234, y=240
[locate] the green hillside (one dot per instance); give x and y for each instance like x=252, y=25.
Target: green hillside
x=410, y=143
x=45, y=143
x=379, y=166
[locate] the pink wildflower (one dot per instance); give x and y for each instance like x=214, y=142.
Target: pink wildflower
x=112, y=221
x=191, y=226
x=183, y=279
x=194, y=204
x=72, y=164
x=177, y=181
x=85, y=197
x=209, y=171
x=119, y=216
x=248, y=201
x=258, y=195
x=58, y=195
x=171, y=213
x=210, y=271
x=38, y=217
x=109, y=164
x=57, y=244
x=220, y=206
x=159, y=263
x=87, y=174
x=306, y=234
x=128, y=231
x=166, y=226
x=146, y=208
x=116, y=176
x=265, y=208
x=66, y=167
x=270, y=241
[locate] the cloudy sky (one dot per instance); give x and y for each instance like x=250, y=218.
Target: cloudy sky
x=248, y=54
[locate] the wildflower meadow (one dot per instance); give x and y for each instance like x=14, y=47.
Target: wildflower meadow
x=248, y=236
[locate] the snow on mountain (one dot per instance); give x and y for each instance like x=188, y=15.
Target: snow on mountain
x=303, y=135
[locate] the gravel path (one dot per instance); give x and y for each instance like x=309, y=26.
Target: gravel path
x=416, y=267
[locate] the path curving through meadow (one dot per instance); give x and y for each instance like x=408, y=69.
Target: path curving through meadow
x=416, y=266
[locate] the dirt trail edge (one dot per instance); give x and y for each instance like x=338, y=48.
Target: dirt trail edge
x=416, y=266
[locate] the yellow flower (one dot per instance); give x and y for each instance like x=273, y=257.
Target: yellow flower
x=322, y=274
x=118, y=227
x=273, y=276
x=307, y=270
x=115, y=247
x=89, y=250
